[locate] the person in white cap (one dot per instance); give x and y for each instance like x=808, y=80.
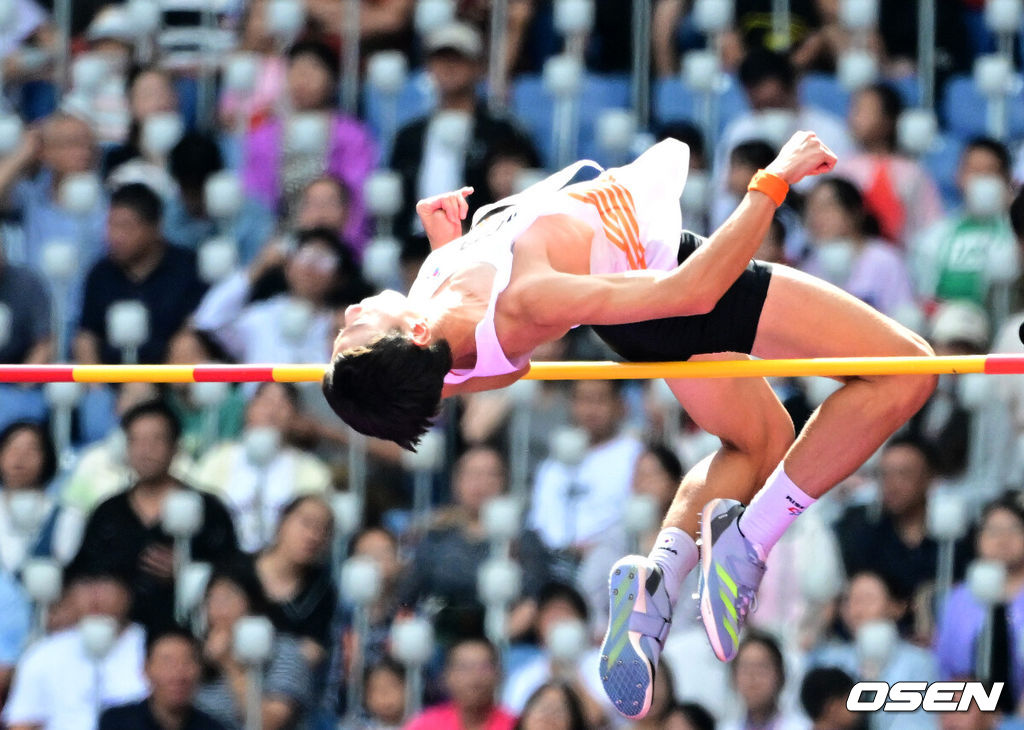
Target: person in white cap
x=454, y=145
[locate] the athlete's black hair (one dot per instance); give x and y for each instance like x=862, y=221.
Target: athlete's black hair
x=389, y=389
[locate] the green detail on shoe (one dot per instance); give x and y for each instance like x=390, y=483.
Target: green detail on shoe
x=617, y=649
x=728, y=604
x=732, y=632
x=725, y=578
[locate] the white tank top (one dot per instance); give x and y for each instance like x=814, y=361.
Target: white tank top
x=634, y=211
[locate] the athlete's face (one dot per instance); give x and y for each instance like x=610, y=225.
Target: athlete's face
x=373, y=317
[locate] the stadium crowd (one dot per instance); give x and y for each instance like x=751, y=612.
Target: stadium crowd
x=183, y=182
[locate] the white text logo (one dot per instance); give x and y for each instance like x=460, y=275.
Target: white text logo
x=934, y=697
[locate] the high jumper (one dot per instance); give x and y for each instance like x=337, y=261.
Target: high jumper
x=608, y=253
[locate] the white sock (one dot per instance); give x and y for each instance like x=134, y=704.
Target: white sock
x=676, y=554
x=772, y=510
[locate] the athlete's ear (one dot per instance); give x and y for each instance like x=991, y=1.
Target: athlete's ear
x=420, y=333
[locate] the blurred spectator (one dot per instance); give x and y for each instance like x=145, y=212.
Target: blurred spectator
x=453, y=146
x=384, y=697
x=58, y=685
x=290, y=327
x=963, y=618
x=125, y=534
x=953, y=258
x=151, y=94
x=172, y=669
x=29, y=338
x=28, y=463
x=958, y=327
x=141, y=266
x=744, y=162
x=770, y=83
x=29, y=20
x=255, y=494
x=101, y=469
x=689, y=716
x=825, y=43
x=846, y=251
x=869, y=597
x=823, y=694
x=380, y=546
x=553, y=706
x=112, y=38
x=445, y=564
x=558, y=603
x=30, y=183
x=471, y=675
x=14, y=629
x=256, y=37
x=897, y=190
x=891, y=539
x=759, y=675
x=752, y=30
x=201, y=429
x=573, y=507
x=187, y=223
x=232, y=594
x=277, y=167
x=383, y=24
x=325, y=203
x=296, y=576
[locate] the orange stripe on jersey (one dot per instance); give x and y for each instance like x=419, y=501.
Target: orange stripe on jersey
x=617, y=210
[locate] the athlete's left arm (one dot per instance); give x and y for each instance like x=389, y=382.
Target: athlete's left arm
x=442, y=216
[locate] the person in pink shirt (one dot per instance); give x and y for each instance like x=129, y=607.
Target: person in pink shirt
x=281, y=158
x=471, y=675
x=897, y=190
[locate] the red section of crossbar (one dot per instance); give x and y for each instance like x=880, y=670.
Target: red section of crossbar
x=234, y=374
x=35, y=373
x=1004, y=365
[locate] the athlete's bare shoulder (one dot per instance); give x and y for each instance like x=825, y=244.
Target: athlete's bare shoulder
x=560, y=242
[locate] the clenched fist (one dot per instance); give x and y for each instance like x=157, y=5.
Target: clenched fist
x=442, y=215
x=803, y=155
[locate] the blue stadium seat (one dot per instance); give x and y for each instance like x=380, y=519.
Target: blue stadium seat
x=674, y=101
x=941, y=163
x=417, y=99
x=965, y=109
x=533, y=108
x=823, y=91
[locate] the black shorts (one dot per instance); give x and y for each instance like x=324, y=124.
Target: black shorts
x=730, y=327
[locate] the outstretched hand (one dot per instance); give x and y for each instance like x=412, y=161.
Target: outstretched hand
x=803, y=155
x=442, y=215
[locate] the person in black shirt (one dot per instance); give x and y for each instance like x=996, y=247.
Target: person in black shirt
x=140, y=266
x=296, y=577
x=124, y=535
x=895, y=543
x=425, y=155
x=172, y=668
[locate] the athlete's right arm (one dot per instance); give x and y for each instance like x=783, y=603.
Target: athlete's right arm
x=694, y=287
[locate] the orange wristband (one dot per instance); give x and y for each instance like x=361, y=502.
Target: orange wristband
x=771, y=185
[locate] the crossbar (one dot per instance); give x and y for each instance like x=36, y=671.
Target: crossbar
x=583, y=370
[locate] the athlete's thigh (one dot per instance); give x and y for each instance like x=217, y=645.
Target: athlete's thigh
x=744, y=412
x=804, y=316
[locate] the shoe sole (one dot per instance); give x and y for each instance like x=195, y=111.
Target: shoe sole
x=629, y=679
x=707, y=613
